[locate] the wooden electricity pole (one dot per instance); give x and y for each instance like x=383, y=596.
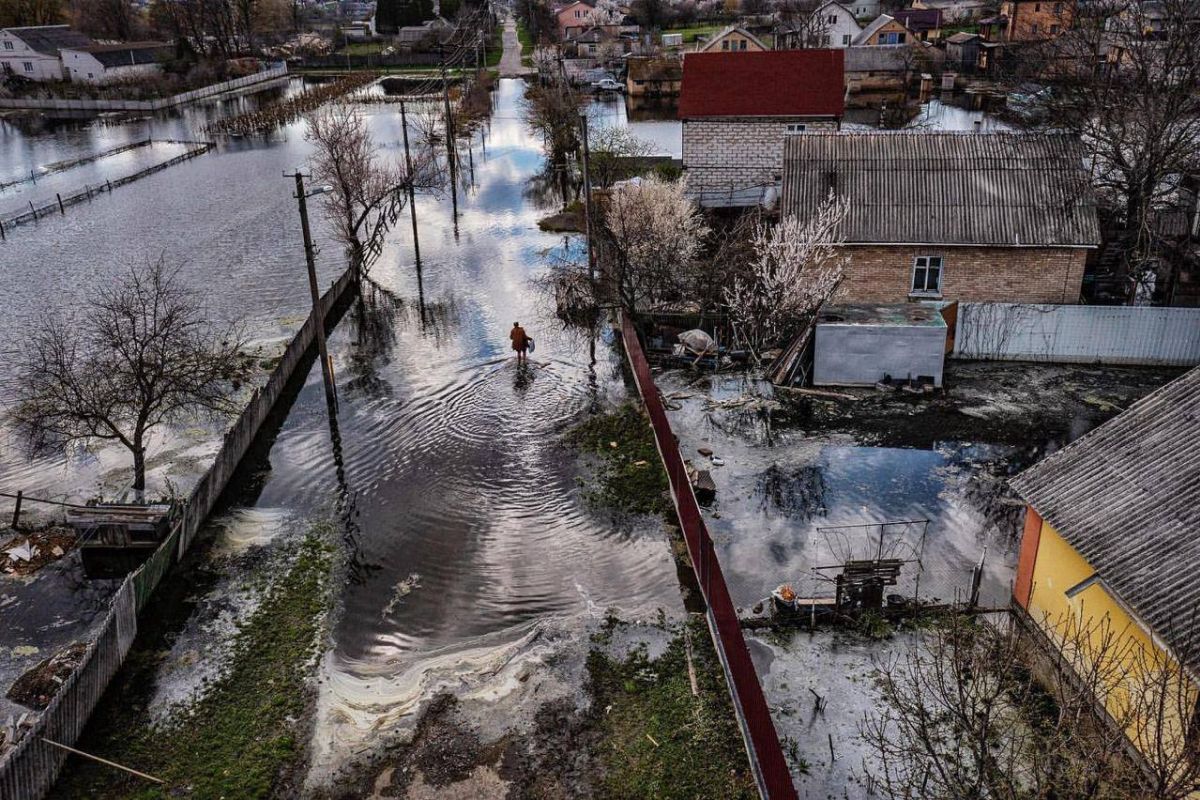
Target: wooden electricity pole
x=587, y=197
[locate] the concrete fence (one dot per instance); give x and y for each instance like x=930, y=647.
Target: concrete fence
x=279, y=70
x=1078, y=334
x=28, y=770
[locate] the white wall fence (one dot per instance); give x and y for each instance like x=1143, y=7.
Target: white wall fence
x=278, y=70
x=1078, y=334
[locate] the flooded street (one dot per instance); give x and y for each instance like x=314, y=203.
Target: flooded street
x=472, y=555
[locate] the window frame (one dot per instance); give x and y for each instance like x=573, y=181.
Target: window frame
x=925, y=263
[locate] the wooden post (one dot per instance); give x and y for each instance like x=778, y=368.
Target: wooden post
x=104, y=761
x=17, y=510
x=60, y=205
x=2, y=236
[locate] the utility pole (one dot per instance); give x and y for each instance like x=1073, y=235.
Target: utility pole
x=587, y=197
x=318, y=317
x=451, y=158
x=412, y=205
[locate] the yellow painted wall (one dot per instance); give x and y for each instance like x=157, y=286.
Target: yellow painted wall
x=1097, y=620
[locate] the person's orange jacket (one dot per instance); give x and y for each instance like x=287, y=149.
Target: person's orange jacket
x=520, y=339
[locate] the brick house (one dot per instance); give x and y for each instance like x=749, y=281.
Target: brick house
x=737, y=109
x=997, y=217
x=1035, y=20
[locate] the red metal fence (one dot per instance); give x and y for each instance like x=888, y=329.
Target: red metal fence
x=758, y=731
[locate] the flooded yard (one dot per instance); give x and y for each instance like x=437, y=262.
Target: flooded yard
x=803, y=482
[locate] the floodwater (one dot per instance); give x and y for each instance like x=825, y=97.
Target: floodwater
x=469, y=544
x=658, y=124
x=791, y=502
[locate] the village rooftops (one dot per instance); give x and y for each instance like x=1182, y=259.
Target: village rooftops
x=944, y=188
x=919, y=20
x=655, y=69
x=126, y=54
x=1126, y=497
x=49, y=39
x=962, y=37
x=775, y=83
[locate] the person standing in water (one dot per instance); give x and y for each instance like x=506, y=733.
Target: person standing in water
x=520, y=341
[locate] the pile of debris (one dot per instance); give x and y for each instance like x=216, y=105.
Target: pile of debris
x=25, y=552
x=37, y=687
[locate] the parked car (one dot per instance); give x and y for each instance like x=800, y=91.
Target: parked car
x=608, y=85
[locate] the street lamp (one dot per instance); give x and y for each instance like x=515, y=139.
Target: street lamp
x=309, y=256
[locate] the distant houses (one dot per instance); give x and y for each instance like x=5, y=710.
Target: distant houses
x=733, y=38
x=655, y=77
x=1000, y=217
x=106, y=63
x=737, y=110
x=830, y=25
x=34, y=52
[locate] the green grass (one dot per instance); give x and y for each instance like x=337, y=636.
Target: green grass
x=241, y=735
x=495, y=47
x=696, y=751
x=361, y=49
x=526, y=39
x=630, y=477
x=691, y=32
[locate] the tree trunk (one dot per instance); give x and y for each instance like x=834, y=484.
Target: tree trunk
x=139, y=470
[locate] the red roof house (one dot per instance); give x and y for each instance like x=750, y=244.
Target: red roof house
x=738, y=109
x=774, y=83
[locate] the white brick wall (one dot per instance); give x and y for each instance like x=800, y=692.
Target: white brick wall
x=739, y=153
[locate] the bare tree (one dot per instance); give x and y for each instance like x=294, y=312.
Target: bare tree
x=366, y=193
x=981, y=710
x=797, y=265
x=143, y=354
x=1123, y=76
x=800, y=26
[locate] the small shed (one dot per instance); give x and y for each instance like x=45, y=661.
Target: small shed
x=860, y=345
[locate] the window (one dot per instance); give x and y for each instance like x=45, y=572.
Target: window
x=1037, y=7
x=927, y=276
x=795, y=128
x=1053, y=30
x=831, y=19
x=845, y=40
x=1033, y=28
x=8, y=46
x=891, y=38
x=28, y=66
x=742, y=44
x=1058, y=9
x=725, y=44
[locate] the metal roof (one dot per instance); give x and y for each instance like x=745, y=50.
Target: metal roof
x=771, y=83
x=961, y=188
x=878, y=58
x=127, y=54
x=49, y=39
x=1126, y=496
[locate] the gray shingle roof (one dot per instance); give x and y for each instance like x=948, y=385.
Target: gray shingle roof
x=49, y=39
x=1002, y=189
x=127, y=54
x=1126, y=496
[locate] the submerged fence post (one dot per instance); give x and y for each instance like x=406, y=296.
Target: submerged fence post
x=17, y=510
x=60, y=205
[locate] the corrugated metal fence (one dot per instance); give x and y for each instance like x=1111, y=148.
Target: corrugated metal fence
x=29, y=770
x=758, y=731
x=1079, y=334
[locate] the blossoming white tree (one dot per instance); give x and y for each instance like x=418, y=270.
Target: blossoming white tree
x=797, y=265
x=652, y=235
